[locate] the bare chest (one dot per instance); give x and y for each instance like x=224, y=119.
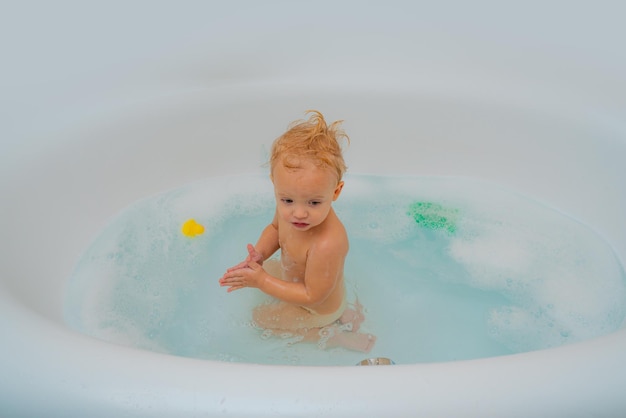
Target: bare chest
x=294, y=250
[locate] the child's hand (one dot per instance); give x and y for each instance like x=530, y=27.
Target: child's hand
x=253, y=256
x=251, y=275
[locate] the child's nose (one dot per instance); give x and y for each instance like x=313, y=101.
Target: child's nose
x=300, y=212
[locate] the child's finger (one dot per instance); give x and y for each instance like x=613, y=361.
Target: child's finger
x=241, y=265
x=254, y=255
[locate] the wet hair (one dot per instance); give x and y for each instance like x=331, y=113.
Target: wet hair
x=311, y=140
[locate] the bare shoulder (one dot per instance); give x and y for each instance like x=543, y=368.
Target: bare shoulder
x=333, y=239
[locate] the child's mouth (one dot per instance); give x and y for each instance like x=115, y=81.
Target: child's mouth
x=300, y=224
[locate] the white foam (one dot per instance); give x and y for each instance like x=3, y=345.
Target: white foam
x=565, y=282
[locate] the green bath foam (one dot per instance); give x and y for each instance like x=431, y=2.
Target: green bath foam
x=432, y=215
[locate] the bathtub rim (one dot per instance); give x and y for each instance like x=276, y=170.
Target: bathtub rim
x=92, y=368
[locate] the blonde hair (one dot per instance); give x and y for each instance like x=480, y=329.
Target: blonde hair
x=311, y=140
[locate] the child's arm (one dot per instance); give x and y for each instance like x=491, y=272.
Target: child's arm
x=264, y=248
x=323, y=270
x=268, y=241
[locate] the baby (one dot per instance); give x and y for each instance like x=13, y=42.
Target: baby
x=306, y=168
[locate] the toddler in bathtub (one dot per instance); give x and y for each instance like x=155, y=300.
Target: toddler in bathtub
x=306, y=168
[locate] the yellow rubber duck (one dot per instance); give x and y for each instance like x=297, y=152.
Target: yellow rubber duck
x=191, y=228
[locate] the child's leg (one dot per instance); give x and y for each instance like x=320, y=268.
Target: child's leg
x=335, y=335
x=356, y=341
x=353, y=316
x=281, y=316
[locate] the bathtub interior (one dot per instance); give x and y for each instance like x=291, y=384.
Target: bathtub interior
x=436, y=94
x=129, y=154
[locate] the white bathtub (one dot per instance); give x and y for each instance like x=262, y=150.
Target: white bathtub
x=103, y=105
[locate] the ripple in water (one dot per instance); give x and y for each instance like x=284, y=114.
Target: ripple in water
x=447, y=269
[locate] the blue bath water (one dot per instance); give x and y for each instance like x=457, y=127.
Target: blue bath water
x=446, y=268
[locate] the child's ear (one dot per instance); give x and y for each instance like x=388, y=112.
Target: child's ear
x=338, y=190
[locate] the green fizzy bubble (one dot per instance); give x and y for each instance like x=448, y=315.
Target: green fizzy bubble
x=432, y=215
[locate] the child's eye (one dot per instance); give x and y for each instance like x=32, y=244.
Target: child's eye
x=286, y=200
x=314, y=203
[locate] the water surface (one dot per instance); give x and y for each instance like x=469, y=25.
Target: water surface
x=447, y=269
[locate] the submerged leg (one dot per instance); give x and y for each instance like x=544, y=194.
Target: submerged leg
x=334, y=336
x=280, y=316
x=282, y=319
x=354, y=316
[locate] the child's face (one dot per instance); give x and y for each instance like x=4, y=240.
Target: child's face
x=304, y=195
